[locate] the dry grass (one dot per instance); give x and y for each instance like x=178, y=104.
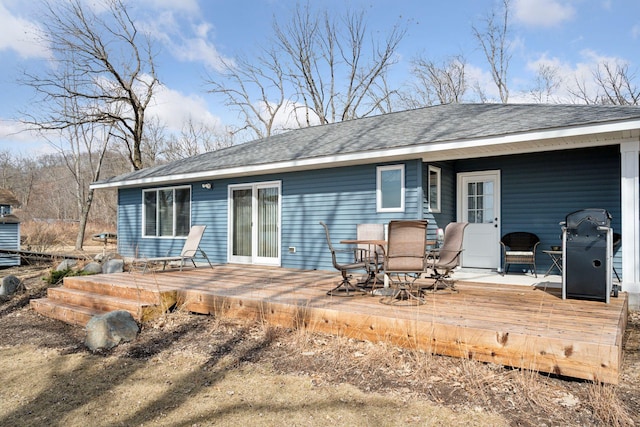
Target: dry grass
x=44, y=236
x=187, y=369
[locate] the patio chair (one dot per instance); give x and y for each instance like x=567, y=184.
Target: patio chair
x=404, y=261
x=189, y=252
x=519, y=248
x=344, y=287
x=444, y=260
x=371, y=255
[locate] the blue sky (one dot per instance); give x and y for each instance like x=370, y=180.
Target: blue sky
x=193, y=35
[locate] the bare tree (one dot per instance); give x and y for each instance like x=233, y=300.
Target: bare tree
x=256, y=91
x=319, y=69
x=443, y=83
x=493, y=39
x=546, y=84
x=101, y=63
x=335, y=70
x=616, y=83
x=612, y=84
x=194, y=139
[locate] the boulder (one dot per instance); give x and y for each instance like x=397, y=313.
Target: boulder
x=10, y=285
x=105, y=331
x=92, y=268
x=66, y=264
x=113, y=266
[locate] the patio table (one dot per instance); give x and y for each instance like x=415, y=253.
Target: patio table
x=556, y=258
x=372, y=274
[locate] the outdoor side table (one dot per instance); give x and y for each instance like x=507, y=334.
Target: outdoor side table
x=556, y=258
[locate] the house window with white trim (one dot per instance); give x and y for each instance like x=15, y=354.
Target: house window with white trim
x=166, y=212
x=390, y=188
x=434, y=189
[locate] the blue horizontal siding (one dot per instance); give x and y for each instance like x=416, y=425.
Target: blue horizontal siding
x=539, y=190
x=341, y=197
x=9, y=239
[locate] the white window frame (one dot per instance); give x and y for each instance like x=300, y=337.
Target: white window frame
x=144, y=212
x=438, y=176
x=379, y=172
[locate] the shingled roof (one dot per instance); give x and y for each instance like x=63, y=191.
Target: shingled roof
x=7, y=198
x=430, y=125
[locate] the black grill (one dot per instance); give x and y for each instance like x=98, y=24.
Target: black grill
x=587, y=245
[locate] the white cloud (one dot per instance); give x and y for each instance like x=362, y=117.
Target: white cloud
x=187, y=40
x=19, y=35
x=174, y=109
x=542, y=13
x=16, y=138
x=572, y=74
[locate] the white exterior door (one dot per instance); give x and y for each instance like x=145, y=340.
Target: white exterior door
x=479, y=205
x=254, y=223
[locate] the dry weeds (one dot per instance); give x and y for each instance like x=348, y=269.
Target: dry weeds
x=195, y=370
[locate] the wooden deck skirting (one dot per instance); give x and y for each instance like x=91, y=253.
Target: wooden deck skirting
x=518, y=326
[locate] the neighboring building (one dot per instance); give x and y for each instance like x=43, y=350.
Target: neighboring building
x=9, y=229
x=501, y=167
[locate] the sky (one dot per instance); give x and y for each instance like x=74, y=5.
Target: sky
x=195, y=36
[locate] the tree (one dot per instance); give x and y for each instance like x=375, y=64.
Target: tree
x=101, y=63
x=195, y=139
x=546, y=83
x=319, y=69
x=335, y=71
x=256, y=91
x=493, y=39
x=443, y=83
x=612, y=84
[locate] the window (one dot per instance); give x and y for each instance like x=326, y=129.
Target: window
x=390, y=188
x=166, y=212
x=434, y=189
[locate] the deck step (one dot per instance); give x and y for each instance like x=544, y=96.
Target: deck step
x=77, y=301
x=141, y=311
x=98, y=285
x=68, y=313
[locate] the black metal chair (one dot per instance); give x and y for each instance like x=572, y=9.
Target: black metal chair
x=345, y=287
x=519, y=247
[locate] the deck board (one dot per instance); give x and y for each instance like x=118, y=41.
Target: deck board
x=512, y=325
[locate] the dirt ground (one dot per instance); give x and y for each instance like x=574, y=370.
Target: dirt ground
x=193, y=370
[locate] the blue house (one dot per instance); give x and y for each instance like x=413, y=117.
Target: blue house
x=9, y=229
x=500, y=167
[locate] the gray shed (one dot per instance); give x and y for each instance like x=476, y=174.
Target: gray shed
x=9, y=229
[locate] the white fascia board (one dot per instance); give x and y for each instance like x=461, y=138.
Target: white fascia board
x=362, y=157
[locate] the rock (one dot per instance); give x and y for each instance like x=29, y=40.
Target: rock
x=92, y=268
x=104, y=257
x=10, y=284
x=66, y=264
x=105, y=331
x=113, y=266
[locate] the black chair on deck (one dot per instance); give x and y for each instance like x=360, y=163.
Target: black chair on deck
x=519, y=248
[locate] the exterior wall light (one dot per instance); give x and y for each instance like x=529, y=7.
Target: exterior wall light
x=207, y=185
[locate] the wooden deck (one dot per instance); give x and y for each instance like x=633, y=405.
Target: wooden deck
x=518, y=326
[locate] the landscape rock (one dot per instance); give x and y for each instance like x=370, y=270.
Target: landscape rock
x=106, y=331
x=113, y=266
x=92, y=268
x=104, y=257
x=10, y=285
x=66, y=264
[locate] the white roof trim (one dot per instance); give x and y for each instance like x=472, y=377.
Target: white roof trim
x=391, y=154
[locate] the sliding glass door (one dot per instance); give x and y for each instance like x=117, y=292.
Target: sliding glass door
x=254, y=223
